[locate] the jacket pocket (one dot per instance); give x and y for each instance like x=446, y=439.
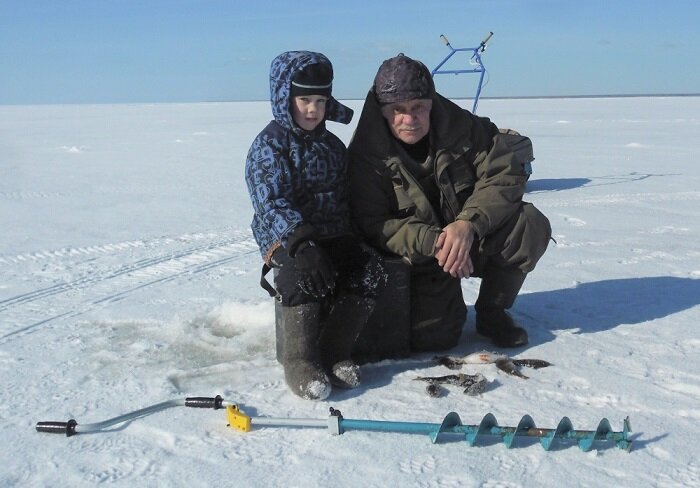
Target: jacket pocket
x=463, y=185
x=403, y=202
x=461, y=179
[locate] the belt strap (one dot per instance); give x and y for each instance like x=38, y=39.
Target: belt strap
x=266, y=284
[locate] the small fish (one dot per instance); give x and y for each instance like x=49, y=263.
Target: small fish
x=502, y=362
x=531, y=363
x=472, y=384
x=434, y=389
x=507, y=366
x=449, y=362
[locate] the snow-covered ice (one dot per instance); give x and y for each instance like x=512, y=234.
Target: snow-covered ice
x=130, y=277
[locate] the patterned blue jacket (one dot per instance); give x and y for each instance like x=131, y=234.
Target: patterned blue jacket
x=296, y=178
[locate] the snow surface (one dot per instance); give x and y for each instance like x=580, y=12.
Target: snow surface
x=130, y=277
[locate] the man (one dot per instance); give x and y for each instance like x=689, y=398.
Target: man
x=442, y=188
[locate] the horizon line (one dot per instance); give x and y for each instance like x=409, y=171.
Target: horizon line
x=516, y=97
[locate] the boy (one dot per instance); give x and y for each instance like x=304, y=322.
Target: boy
x=325, y=281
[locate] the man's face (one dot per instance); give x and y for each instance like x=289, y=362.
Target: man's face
x=409, y=121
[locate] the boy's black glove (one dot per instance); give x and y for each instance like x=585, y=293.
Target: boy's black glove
x=316, y=271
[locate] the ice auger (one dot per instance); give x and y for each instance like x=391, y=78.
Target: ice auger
x=475, y=62
x=337, y=424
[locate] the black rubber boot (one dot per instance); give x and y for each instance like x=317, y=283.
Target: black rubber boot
x=298, y=351
x=499, y=289
x=341, y=329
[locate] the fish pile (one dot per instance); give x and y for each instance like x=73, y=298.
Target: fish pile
x=503, y=362
x=476, y=384
x=473, y=384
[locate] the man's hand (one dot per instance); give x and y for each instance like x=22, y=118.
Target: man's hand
x=453, y=246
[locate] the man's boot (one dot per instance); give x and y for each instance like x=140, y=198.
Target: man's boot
x=499, y=289
x=341, y=329
x=298, y=351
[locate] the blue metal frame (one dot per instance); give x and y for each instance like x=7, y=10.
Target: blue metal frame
x=475, y=58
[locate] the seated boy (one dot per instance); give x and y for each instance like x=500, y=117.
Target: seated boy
x=326, y=282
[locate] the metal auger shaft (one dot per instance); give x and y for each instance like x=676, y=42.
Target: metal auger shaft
x=451, y=424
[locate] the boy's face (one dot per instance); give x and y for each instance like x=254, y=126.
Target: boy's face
x=309, y=110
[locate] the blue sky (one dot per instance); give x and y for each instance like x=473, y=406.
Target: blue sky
x=110, y=51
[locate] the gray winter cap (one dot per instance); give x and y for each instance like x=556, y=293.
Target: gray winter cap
x=401, y=78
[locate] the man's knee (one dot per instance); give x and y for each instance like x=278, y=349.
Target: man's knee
x=521, y=242
x=536, y=220
x=536, y=235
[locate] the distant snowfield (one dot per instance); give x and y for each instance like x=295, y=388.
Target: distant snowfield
x=130, y=277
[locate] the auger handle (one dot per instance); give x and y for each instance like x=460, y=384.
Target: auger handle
x=444, y=39
x=482, y=45
x=71, y=427
x=205, y=402
x=67, y=428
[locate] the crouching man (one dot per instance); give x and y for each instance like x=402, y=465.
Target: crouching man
x=442, y=188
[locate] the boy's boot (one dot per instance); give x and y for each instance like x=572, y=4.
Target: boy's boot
x=299, y=333
x=344, y=323
x=499, y=289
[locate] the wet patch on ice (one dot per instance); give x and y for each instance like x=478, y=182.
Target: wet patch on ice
x=232, y=336
x=230, y=320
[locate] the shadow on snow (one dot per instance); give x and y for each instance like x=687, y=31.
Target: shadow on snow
x=604, y=305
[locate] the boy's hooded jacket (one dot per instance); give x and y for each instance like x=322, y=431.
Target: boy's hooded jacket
x=297, y=178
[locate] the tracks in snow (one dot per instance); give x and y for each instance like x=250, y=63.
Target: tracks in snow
x=99, y=275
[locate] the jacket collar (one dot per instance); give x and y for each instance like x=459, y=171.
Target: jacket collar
x=448, y=126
